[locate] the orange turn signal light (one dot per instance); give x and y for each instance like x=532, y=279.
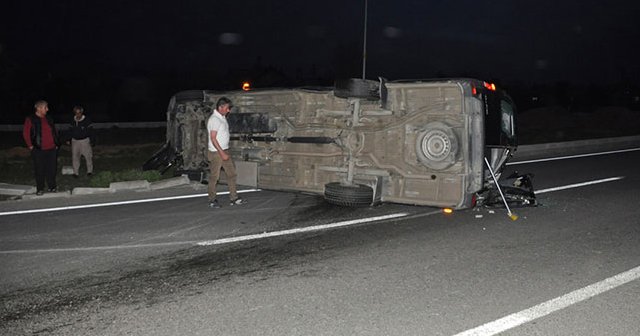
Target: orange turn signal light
x=490, y=86
x=447, y=211
x=246, y=86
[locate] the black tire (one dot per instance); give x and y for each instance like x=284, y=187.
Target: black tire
x=356, y=88
x=356, y=195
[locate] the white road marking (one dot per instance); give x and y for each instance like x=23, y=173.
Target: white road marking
x=553, y=305
x=301, y=230
x=249, y=237
x=573, y=156
x=98, y=205
x=576, y=185
x=224, y=240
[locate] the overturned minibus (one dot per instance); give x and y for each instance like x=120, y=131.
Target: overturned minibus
x=361, y=142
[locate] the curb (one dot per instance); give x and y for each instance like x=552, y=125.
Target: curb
x=16, y=189
x=46, y=195
x=129, y=185
x=28, y=192
x=170, y=182
x=89, y=191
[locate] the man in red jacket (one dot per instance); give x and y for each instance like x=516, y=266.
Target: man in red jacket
x=41, y=137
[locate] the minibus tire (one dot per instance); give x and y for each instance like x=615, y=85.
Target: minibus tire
x=357, y=195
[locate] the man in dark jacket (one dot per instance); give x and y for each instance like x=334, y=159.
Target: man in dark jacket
x=41, y=137
x=81, y=140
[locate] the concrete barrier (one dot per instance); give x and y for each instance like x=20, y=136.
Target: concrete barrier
x=170, y=182
x=129, y=185
x=16, y=189
x=67, y=170
x=59, y=194
x=90, y=191
x=531, y=152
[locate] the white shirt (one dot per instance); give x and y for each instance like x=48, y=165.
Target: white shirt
x=217, y=122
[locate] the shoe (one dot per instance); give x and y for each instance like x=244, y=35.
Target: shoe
x=89, y=174
x=39, y=193
x=75, y=175
x=214, y=204
x=238, y=201
x=53, y=190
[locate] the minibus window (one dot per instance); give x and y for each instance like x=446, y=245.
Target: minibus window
x=506, y=112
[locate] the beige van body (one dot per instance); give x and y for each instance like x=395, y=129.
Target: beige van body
x=410, y=142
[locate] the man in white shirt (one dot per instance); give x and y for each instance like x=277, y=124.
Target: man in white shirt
x=218, y=155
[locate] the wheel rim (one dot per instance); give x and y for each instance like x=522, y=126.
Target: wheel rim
x=436, y=145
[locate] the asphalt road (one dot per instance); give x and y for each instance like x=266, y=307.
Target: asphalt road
x=567, y=267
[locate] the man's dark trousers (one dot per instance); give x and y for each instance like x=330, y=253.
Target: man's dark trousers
x=45, y=164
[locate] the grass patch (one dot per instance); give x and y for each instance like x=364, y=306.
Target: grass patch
x=111, y=163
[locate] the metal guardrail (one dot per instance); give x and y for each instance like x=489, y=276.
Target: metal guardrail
x=577, y=147
x=62, y=127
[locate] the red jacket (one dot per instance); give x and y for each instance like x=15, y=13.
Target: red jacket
x=40, y=133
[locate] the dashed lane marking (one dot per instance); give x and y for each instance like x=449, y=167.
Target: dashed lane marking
x=553, y=305
x=226, y=240
x=576, y=185
x=301, y=230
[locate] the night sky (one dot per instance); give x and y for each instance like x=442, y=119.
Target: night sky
x=124, y=59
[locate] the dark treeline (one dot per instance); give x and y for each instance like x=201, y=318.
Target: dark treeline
x=576, y=98
x=127, y=95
